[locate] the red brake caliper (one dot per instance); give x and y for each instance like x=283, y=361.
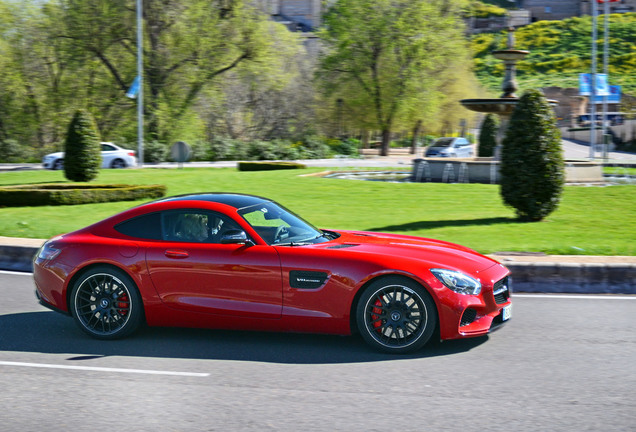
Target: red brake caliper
x=376, y=310
x=123, y=304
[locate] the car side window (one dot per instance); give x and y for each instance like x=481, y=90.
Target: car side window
x=145, y=227
x=195, y=226
x=106, y=147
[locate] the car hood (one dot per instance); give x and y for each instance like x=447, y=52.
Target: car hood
x=435, y=253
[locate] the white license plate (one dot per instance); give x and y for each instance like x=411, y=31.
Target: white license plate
x=506, y=313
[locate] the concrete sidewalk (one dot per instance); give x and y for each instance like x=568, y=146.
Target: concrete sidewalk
x=531, y=272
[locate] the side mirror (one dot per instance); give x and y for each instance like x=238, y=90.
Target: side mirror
x=235, y=236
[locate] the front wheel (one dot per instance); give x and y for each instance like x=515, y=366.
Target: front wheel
x=396, y=315
x=106, y=304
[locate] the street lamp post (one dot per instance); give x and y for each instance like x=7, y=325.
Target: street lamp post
x=140, y=95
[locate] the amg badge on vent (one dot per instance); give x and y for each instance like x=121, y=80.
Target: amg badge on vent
x=307, y=279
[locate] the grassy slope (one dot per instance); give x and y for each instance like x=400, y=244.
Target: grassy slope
x=590, y=220
x=559, y=51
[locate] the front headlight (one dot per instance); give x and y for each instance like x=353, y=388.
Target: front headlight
x=457, y=281
x=47, y=252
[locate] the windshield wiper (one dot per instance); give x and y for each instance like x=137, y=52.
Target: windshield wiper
x=291, y=243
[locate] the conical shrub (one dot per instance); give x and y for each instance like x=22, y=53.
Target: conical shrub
x=532, y=167
x=82, y=152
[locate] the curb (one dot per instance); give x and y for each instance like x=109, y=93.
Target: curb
x=17, y=258
x=574, y=278
x=531, y=277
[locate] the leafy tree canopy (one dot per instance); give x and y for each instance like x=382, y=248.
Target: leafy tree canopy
x=390, y=57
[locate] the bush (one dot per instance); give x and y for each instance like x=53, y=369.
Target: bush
x=71, y=194
x=347, y=147
x=225, y=148
x=268, y=166
x=82, y=151
x=488, y=136
x=11, y=151
x=155, y=152
x=315, y=147
x=532, y=168
x=261, y=150
x=200, y=150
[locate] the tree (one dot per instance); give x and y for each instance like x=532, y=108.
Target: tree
x=390, y=55
x=488, y=136
x=188, y=44
x=82, y=156
x=532, y=167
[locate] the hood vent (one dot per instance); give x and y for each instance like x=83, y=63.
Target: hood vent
x=342, y=246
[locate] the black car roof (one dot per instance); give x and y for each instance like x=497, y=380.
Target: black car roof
x=234, y=200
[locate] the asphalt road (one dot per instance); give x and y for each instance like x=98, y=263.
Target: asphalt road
x=563, y=363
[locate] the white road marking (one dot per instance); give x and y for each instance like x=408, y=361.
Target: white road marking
x=15, y=273
x=103, y=369
x=575, y=296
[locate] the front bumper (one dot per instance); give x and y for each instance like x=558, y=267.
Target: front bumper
x=477, y=315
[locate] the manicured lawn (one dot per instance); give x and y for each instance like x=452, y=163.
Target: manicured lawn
x=619, y=171
x=590, y=220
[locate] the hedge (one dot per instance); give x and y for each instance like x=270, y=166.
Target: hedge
x=267, y=166
x=75, y=193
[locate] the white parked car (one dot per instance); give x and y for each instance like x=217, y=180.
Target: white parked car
x=113, y=156
x=450, y=147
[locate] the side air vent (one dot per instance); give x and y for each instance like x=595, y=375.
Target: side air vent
x=307, y=279
x=342, y=246
x=468, y=317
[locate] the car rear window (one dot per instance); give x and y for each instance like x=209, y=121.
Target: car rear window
x=145, y=227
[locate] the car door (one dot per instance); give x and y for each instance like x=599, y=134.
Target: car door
x=108, y=154
x=191, y=270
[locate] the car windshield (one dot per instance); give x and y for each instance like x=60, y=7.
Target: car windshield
x=443, y=142
x=278, y=226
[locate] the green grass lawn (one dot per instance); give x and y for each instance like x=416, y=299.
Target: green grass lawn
x=590, y=220
x=619, y=171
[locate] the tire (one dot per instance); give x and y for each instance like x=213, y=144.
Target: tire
x=118, y=163
x=106, y=304
x=58, y=164
x=396, y=315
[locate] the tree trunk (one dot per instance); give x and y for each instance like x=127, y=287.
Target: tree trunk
x=416, y=133
x=386, y=142
x=365, y=138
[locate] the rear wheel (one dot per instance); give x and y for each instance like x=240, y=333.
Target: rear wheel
x=396, y=315
x=118, y=163
x=58, y=164
x=106, y=304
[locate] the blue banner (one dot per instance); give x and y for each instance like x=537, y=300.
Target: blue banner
x=134, y=88
x=613, y=97
x=602, y=87
x=585, y=84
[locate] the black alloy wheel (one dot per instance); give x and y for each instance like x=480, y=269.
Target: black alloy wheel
x=106, y=304
x=58, y=164
x=396, y=315
x=118, y=163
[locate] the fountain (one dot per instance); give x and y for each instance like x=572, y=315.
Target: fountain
x=486, y=170
x=506, y=103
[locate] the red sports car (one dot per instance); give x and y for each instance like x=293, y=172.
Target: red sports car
x=231, y=261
